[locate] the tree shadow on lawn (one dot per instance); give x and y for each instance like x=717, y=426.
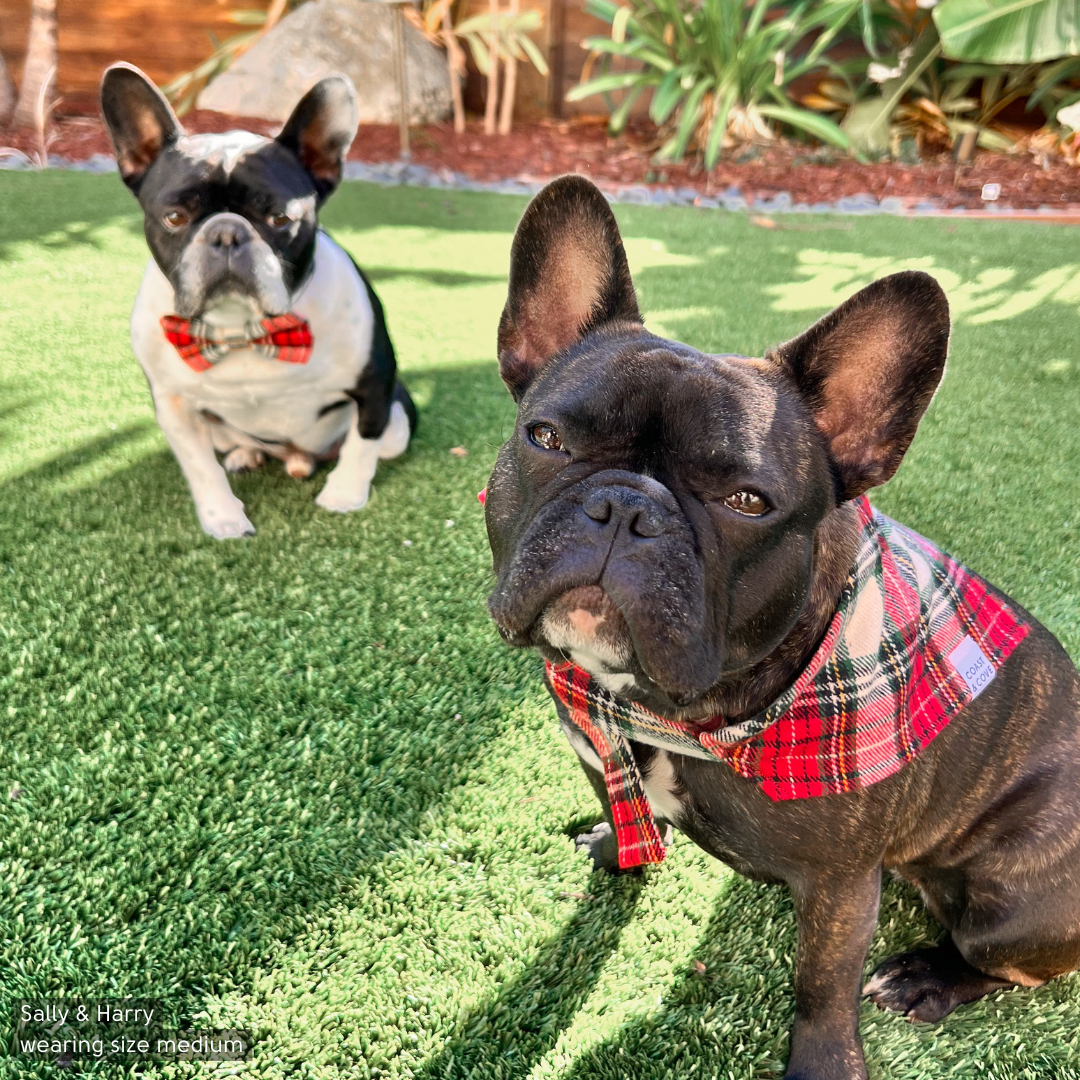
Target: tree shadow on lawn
x=506, y=1036
x=441, y=278
x=737, y=1012
x=212, y=742
x=61, y=208
x=12, y=402
x=733, y=1017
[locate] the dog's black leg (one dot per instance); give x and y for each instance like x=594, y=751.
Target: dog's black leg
x=836, y=918
x=927, y=984
x=600, y=843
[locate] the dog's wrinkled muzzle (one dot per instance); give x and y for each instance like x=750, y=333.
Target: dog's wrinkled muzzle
x=626, y=534
x=227, y=257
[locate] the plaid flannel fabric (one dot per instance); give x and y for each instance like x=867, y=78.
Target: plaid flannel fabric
x=915, y=638
x=281, y=337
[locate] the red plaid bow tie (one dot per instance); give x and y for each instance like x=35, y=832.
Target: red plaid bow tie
x=281, y=337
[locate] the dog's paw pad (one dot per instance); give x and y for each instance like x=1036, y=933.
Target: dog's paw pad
x=927, y=984
x=243, y=459
x=342, y=500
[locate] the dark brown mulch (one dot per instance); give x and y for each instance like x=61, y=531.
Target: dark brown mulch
x=546, y=148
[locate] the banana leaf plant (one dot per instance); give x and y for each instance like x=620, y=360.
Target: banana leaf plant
x=923, y=92
x=1019, y=32
x=1008, y=31
x=718, y=70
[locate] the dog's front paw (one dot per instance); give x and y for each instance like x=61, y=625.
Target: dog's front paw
x=226, y=522
x=602, y=847
x=341, y=496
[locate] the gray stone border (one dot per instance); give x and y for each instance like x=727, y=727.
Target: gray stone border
x=400, y=173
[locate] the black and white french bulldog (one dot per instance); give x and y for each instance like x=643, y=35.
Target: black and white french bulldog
x=258, y=334
x=686, y=540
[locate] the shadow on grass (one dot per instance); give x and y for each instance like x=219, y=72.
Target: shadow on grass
x=58, y=467
x=441, y=278
x=323, y=732
x=506, y=1036
x=12, y=405
x=740, y=1007
x=61, y=208
x=734, y=1003
x=737, y=1009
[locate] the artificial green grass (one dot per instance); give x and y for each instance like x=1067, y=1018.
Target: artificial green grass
x=296, y=785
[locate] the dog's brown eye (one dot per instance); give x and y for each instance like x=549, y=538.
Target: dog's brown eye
x=546, y=436
x=749, y=503
x=177, y=219
x=279, y=220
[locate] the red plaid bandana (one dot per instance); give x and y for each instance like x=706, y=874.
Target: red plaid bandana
x=281, y=337
x=915, y=638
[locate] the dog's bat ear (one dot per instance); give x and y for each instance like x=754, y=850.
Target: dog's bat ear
x=140, y=121
x=321, y=129
x=568, y=277
x=868, y=370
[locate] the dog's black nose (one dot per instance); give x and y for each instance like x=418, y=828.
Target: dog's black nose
x=227, y=234
x=617, y=505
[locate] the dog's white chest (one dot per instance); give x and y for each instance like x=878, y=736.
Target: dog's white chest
x=270, y=400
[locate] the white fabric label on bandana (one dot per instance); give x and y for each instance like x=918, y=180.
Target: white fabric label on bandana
x=972, y=665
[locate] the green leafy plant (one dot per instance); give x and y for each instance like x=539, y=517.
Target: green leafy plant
x=719, y=70
x=513, y=38
x=496, y=35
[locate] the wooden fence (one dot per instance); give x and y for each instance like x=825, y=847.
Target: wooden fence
x=163, y=37
x=166, y=38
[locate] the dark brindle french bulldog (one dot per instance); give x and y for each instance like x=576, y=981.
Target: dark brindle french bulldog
x=738, y=645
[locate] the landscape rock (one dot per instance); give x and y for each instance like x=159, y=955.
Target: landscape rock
x=324, y=36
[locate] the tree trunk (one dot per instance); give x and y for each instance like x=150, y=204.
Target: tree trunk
x=506, y=116
x=557, y=58
x=492, y=102
x=40, y=67
x=455, y=61
x=964, y=149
